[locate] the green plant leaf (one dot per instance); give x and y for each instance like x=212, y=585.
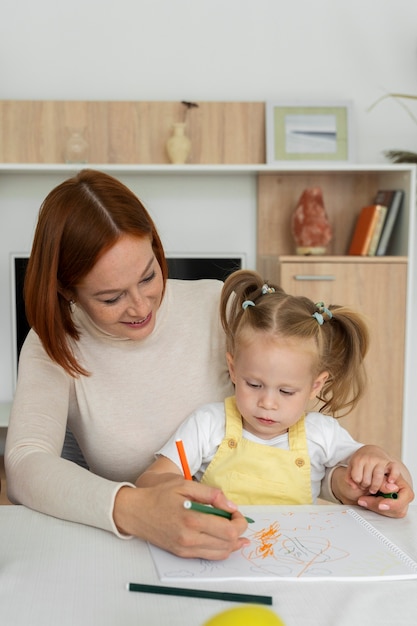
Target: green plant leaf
x=398, y=97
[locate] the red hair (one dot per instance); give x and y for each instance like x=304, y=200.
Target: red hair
x=78, y=222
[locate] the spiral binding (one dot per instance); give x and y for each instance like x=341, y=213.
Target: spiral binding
x=402, y=556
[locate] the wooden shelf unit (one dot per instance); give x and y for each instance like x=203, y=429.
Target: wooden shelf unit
x=375, y=286
x=346, y=189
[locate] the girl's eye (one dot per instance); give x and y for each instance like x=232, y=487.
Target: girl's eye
x=253, y=385
x=286, y=393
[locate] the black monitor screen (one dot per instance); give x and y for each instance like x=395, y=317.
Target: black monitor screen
x=192, y=268
x=21, y=326
x=183, y=267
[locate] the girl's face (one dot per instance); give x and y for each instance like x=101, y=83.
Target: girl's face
x=123, y=291
x=274, y=382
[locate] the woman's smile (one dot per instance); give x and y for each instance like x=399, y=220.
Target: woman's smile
x=139, y=323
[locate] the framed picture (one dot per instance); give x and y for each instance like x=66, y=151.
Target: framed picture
x=308, y=131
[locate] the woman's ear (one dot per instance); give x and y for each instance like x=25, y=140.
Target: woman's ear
x=231, y=366
x=318, y=384
x=67, y=294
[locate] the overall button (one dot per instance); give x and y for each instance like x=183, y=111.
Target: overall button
x=299, y=462
x=232, y=443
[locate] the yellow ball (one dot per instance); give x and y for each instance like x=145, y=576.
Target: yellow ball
x=246, y=616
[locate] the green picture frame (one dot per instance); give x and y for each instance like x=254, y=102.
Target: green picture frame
x=308, y=131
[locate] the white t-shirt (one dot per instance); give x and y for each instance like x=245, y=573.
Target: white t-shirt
x=202, y=432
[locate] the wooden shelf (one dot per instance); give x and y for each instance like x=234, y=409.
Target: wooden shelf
x=345, y=191
x=214, y=168
x=33, y=131
x=342, y=259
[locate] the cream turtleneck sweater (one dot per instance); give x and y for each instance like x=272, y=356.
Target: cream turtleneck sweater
x=134, y=399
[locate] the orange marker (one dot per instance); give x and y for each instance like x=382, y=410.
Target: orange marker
x=183, y=459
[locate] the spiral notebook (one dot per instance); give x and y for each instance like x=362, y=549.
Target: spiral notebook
x=289, y=543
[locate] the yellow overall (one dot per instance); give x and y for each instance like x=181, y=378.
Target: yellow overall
x=254, y=473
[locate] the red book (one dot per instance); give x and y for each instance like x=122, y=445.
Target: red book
x=364, y=230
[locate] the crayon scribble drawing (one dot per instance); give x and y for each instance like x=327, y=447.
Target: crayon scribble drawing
x=295, y=552
x=265, y=539
x=293, y=543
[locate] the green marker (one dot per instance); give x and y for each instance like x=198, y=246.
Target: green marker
x=393, y=495
x=201, y=593
x=205, y=508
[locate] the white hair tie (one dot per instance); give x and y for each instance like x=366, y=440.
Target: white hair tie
x=247, y=303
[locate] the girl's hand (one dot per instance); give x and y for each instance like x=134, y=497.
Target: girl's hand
x=157, y=514
x=388, y=506
x=371, y=470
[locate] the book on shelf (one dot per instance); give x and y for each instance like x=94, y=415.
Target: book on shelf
x=393, y=200
x=376, y=235
x=368, y=226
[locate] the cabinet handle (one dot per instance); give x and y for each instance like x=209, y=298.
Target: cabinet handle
x=314, y=277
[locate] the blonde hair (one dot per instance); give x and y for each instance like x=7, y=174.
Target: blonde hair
x=340, y=334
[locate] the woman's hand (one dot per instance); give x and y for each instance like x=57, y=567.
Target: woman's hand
x=371, y=470
x=157, y=514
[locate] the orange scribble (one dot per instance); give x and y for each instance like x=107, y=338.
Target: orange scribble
x=267, y=537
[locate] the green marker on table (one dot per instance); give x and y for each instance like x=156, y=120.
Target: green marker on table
x=201, y=593
x=205, y=508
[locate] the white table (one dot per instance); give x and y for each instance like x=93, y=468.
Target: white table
x=55, y=573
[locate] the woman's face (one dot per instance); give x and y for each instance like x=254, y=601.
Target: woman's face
x=123, y=291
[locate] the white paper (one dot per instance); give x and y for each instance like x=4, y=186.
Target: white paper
x=298, y=544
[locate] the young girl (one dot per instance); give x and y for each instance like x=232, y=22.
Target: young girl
x=262, y=446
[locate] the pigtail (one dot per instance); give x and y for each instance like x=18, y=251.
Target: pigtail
x=345, y=342
x=240, y=286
